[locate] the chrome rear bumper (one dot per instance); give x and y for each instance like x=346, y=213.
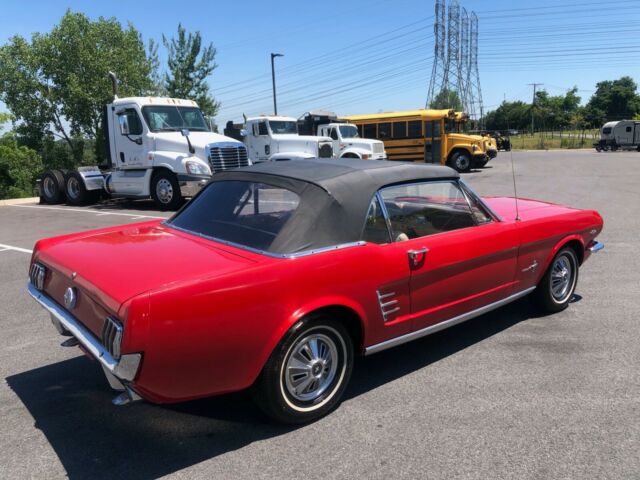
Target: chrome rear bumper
x=124, y=369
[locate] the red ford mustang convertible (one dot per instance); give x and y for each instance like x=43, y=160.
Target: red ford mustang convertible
x=274, y=276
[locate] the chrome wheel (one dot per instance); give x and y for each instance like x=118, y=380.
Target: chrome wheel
x=311, y=367
x=562, y=278
x=164, y=191
x=50, y=187
x=73, y=188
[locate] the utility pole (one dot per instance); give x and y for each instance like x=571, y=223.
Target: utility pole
x=533, y=103
x=273, y=81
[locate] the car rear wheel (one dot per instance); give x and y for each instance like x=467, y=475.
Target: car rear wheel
x=307, y=373
x=555, y=290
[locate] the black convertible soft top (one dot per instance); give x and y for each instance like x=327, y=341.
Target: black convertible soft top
x=334, y=195
x=334, y=198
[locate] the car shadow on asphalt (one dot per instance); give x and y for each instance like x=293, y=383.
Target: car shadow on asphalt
x=70, y=402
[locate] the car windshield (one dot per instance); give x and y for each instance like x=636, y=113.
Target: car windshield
x=249, y=214
x=283, y=126
x=164, y=118
x=349, y=131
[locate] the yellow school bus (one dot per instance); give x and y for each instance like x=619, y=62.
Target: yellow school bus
x=431, y=136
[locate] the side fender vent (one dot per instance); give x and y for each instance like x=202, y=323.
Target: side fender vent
x=388, y=305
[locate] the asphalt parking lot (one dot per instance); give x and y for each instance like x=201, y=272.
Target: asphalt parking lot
x=506, y=395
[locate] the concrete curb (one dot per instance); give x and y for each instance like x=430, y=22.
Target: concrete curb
x=19, y=201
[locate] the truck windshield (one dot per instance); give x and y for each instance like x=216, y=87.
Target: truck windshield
x=165, y=118
x=283, y=126
x=349, y=131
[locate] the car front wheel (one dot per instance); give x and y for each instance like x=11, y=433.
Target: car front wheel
x=307, y=373
x=555, y=290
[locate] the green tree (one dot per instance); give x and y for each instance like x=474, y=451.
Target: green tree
x=4, y=118
x=447, y=99
x=613, y=100
x=190, y=65
x=57, y=84
x=19, y=167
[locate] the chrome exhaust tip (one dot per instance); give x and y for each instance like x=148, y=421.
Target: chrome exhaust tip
x=126, y=397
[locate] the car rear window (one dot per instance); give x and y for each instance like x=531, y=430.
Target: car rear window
x=249, y=214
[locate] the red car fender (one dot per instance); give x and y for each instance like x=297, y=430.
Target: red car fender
x=308, y=308
x=557, y=248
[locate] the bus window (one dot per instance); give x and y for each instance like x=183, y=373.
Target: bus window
x=415, y=129
x=384, y=130
x=432, y=128
x=399, y=129
x=369, y=130
x=450, y=126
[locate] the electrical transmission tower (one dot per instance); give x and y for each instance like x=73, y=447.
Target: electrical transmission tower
x=438, y=71
x=455, y=64
x=477, y=109
x=463, y=70
x=452, y=80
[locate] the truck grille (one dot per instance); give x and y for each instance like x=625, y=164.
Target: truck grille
x=224, y=157
x=112, y=336
x=325, y=150
x=378, y=148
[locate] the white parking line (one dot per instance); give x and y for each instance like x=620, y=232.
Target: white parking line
x=17, y=249
x=83, y=210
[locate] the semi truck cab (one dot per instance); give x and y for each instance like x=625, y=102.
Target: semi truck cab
x=156, y=147
x=274, y=137
x=347, y=143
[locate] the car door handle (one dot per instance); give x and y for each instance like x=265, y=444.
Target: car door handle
x=416, y=257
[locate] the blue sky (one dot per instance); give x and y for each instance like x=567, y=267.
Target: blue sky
x=368, y=56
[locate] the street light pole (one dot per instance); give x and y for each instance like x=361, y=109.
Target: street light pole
x=273, y=81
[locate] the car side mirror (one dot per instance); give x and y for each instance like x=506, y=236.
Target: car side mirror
x=124, y=124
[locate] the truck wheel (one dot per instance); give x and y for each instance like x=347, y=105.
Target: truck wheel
x=307, y=373
x=165, y=190
x=52, y=187
x=460, y=161
x=75, y=189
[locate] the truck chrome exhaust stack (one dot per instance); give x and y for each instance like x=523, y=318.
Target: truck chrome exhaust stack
x=114, y=84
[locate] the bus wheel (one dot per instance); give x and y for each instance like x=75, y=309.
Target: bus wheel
x=460, y=161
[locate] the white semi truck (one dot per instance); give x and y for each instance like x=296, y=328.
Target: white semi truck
x=271, y=137
x=347, y=143
x=156, y=147
x=623, y=134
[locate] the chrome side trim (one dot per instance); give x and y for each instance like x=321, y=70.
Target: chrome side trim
x=125, y=369
x=596, y=247
x=442, y=325
x=303, y=253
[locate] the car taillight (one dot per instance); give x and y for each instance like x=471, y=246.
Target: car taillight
x=112, y=336
x=36, y=275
